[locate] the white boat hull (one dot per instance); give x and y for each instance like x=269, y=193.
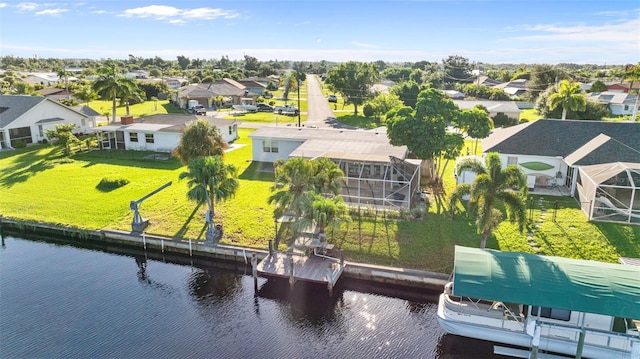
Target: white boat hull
x=448, y=321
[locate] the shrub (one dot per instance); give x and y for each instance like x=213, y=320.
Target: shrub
x=111, y=183
x=367, y=110
x=18, y=144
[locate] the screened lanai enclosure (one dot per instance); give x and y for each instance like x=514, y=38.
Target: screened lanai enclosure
x=610, y=192
x=392, y=185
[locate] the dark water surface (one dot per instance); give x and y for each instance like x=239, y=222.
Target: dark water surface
x=62, y=301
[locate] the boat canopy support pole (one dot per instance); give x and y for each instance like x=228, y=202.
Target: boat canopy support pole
x=581, y=338
x=535, y=341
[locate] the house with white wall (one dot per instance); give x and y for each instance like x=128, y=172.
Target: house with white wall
x=619, y=103
x=376, y=173
x=509, y=108
x=26, y=118
x=158, y=133
x=553, y=150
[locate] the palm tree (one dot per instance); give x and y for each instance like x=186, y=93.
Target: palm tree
x=210, y=181
x=293, y=179
x=323, y=212
x=327, y=178
x=492, y=184
x=85, y=94
x=112, y=84
x=64, y=74
x=568, y=96
x=200, y=139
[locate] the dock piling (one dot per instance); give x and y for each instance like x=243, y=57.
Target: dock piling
x=144, y=241
x=292, y=279
x=190, y=250
x=254, y=271
x=330, y=279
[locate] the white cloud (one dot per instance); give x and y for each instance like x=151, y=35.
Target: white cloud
x=174, y=15
x=364, y=45
x=3, y=4
x=27, y=6
x=51, y=12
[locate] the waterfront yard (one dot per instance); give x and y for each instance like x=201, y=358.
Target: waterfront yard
x=38, y=184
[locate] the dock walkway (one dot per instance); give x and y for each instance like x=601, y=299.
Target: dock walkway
x=304, y=268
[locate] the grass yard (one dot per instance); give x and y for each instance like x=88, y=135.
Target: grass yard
x=529, y=115
x=37, y=184
x=138, y=110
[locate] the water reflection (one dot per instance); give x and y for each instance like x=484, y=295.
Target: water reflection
x=202, y=310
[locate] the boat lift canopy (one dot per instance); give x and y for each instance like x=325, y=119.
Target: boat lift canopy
x=545, y=281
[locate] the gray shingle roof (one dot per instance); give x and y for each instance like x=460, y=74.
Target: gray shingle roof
x=12, y=107
x=563, y=137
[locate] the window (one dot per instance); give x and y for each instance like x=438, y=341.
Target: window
x=149, y=137
x=20, y=134
x=40, y=131
x=377, y=170
x=512, y=161
x=133, y=137
x=270, y=146
x=231, y=130
x=552, y=313
x=626, y=107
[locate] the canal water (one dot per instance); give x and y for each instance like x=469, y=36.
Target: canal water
x=59, y=300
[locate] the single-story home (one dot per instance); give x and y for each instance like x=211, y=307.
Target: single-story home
x=619, y=103
x=377, y=173
x=25, y=118
x=232, y=91
x=158, y=133
x=551, y=152
x=46, y=78
x=509, y=108
x=513, y=88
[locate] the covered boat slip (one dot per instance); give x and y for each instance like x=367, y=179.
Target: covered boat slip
x=545, y=281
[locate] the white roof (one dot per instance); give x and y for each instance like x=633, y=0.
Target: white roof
x=137, y=127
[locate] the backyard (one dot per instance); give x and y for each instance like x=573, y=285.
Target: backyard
x=38, y=184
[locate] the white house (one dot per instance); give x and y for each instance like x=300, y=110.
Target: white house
x=157, y=133
x=509, y=108
x=25, y=118
x=46, y=79
x=376, y=172
x=619, y=103
x=554, y=152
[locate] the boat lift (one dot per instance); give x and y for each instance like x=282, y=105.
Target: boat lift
x=138, y=224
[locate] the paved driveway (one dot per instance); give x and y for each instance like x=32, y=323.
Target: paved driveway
x=319, y=112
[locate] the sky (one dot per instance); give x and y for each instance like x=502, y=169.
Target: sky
x=603, y=32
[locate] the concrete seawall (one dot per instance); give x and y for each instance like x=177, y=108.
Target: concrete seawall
x=361, y=271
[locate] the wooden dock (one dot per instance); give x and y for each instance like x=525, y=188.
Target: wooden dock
x=304, y=268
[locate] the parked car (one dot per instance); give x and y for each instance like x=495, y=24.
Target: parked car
x=288, y=109
x=332, y=98
x=199, y=110
x=263, y=107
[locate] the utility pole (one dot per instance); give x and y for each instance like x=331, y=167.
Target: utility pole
x=299, y=84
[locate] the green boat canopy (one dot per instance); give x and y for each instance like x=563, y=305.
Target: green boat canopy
x=554, y=282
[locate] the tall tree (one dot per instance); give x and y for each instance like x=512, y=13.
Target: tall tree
x=541, y=78
x=424, y=129
x=476, y=123
x=457, y=69
x=200, y=139
x=492, y=184
x=569, y=96
x=210, y=180
x=353, y=80
x=383, y=103
x=111, y=84
x=407, y=92
x=64, y=75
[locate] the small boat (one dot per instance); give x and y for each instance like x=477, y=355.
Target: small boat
x=548, y=305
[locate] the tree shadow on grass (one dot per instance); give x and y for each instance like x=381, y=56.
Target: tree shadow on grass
x=143, y=159
x=258, y=171
x=19, y=175
x=181, y=233
x=625, y=238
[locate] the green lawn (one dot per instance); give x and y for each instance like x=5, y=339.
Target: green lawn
x=529, y=115
x=138, y=110
x=37, y=184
